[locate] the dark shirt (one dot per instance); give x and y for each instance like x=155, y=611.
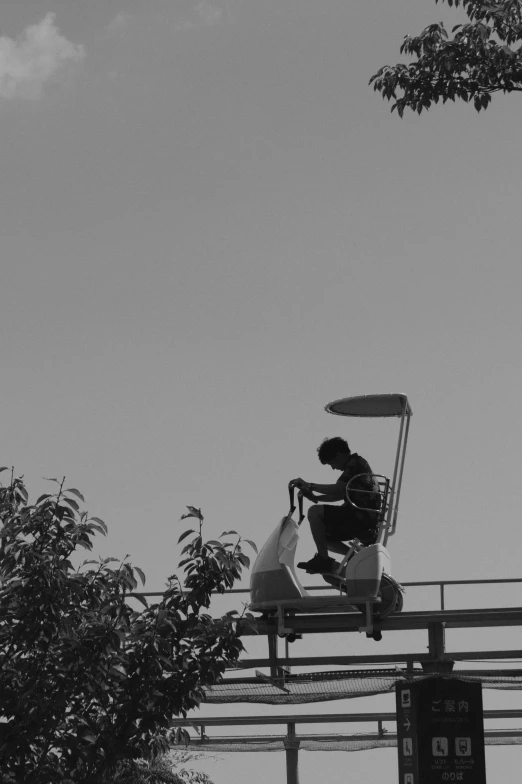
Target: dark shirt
x=367, y=500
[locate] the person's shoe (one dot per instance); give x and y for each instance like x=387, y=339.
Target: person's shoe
x=318, y=564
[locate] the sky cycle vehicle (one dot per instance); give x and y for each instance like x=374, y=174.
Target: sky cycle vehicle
x=362, y=579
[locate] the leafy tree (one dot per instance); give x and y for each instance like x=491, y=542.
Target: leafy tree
x=481, y=58
x=90, y=679
x=159, y=770
x=140, y=771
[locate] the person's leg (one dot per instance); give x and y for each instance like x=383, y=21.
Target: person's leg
x=343, y=523
x=323, y=538
x=337, y=547
x=318, y=529
x=320, y=563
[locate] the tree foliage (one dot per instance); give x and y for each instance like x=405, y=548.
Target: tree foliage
x=89, y=677
x=161, y=769
x=481, y=57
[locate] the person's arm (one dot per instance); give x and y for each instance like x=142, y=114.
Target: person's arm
x=338, y=490
x=328, y=493
x=324, y=499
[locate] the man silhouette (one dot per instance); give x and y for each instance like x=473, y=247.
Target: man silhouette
x=330, y=525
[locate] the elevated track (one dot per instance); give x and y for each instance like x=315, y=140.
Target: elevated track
x=435, y=622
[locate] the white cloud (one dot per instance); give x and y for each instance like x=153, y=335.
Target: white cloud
x=34, y=58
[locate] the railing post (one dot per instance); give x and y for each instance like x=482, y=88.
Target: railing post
x=437, y=649
x=436, y=639
x=292, y=755
x=272, y=655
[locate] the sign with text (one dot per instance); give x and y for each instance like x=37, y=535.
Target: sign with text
x=440, y=732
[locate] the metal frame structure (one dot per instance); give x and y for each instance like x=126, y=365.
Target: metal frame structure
x=436, y=660
x=292, y=741
x=291, y=622
x=435, y=622
x=378, y=718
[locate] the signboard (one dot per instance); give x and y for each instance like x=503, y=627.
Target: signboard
x=440, y=732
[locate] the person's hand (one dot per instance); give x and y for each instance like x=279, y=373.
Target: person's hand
x=309, y=494
x=300, y=483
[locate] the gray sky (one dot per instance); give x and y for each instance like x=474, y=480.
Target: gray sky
x=211, y=226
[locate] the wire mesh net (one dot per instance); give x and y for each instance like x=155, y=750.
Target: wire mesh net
x=340, y=743
x=324, y=687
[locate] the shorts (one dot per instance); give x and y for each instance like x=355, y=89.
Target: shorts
x=345, y=522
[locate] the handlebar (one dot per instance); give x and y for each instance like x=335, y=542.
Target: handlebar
x=291, y=493
x=302, y=493
x=308, y=495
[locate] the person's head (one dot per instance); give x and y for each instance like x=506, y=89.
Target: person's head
x=334, y=452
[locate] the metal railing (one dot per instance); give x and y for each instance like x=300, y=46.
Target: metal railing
x=442, y=584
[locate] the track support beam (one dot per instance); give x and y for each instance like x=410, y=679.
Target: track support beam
x=437, y=649
x=292, y=755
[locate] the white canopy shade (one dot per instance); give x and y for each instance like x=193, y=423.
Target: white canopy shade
x=392, y=405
